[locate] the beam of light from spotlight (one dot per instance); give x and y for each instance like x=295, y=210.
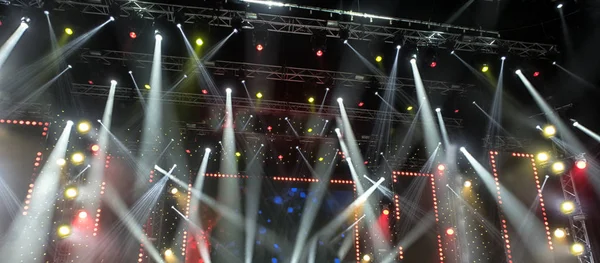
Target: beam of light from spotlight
x=292, y=127
x=432, y=138
x=10, y=44
x=32, y=95
x=496, y=110
x=137, y=90
x=551, y=115
x=228, y=190
x=195, y=204
x=324, y=98
x=587, y=131
x=252, y=204
x=515, y=211
x=52, y=60
x=425, y=225
x=29, y=232
x=443, y=128
x=573, y=75
x=248, y=94
x=174, y=86
x=153, y=119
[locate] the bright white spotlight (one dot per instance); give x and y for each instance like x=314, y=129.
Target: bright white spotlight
x=337, y=129
x=376, y=93
x=518, y=71
x=207, y=150
x=235, y=30
x=553, y=62
x=413, y=60
x=297, y=147
x=340, y=100
x=398, y=47
x=69, y=122
x=346, y=41
x=178, y=25
x=69, y=66
x=243, y=81
x=111, y=18
x=452, y=52
x=575, y=124
x=158, y=37
x=559, y=6
x=286, y=118
x=438, y=110
x=130, y=72
x=113, y=82
x=46, y=12
x=327, y=89
x=462, y=149
x=185, y=76
x=228, y=90
x=503, y=58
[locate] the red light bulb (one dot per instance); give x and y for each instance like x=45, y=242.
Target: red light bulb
x=319, y=53
x=259, y=47
x=132, y=35
x=433, y=64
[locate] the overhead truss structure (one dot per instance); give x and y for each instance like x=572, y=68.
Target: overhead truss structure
x=441, y=37
x=578, y=229
x=275, y=107
x=271, y=72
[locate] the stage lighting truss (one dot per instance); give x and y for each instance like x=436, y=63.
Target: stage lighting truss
x=207, y=100
x=270, y=72
x=260, y=39
x=479, y=41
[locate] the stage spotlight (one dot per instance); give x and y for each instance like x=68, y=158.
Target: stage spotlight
x=441, y=167
x=485, y=68
x=259, y=47
x=77, y=158
x=536, y=74
x=518, y=71
x=450, y=231
x=542, y=157
x=553, y=62
x=340, y=100
x=238, y=154
x=157, y=35
x=25, y=20
x=567, y=207
x=83, y=127
x=111, y=18
x=68, y=31
x=71, y=192
x=309, y=130
x=228, y=90
x=503, y=58
x=413, y=60
x=558, y=167
x=386, y=212
x=549, y=131
x=46, y=12
x=113, y=82
x=174, y=191
x=319, y=53
x=360, y=104
x=560, y=233
x=199, y=42
x=63, y=231
x=581, y=164
x=438, y=110
x=207, y=150
x=259, y=95
x=433, y=64
x=398, y=47
x=409, y=108
x=575, y=124
x=132, y=35
x=61, y=162
x=311, y=100
x=69, y=66
x=82, y=214
x=95, y=148
x=168, y=253
x=467, y=184
x=367, y=258
x=452, y=52
x=178, y=25
x=462, y=149
x=378, y=58
x=577, y=249
x=559, y=6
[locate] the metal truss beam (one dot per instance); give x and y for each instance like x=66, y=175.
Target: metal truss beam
x=202, y=100
x=505, y=143
x=577, y=220
x=443, y=37
x=33, y=111
x=271, y=72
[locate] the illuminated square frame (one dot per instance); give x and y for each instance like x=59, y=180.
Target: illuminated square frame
x=504, y=228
